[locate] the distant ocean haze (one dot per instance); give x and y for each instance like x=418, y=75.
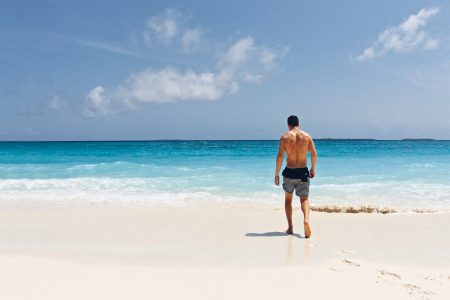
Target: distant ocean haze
x=402, y=175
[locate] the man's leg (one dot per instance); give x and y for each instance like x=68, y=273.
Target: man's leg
x=305, y=209
x=288, y=210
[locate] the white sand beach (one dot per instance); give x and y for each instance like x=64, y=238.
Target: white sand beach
x=147, y=149
x=57, y=251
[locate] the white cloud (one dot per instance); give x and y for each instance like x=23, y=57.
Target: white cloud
x=97, y=103
x=243, y=61
x=172, y=28
x=246, y=54
x=159, y=86
x=239, y=52
x=170, y=84
x=268, y=57
x=163, y=27
x=404, y=37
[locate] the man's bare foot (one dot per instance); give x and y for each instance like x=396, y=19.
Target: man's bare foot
x=289, y=231
x=307, y=230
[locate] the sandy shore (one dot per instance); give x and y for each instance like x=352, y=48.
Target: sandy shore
x=218, y=252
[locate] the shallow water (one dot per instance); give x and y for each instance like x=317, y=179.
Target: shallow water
x=403, y=175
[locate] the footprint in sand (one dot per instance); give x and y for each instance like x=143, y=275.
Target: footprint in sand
x=345, y=252
x=333, y=269
x=412, y=288
x=432, y=279
x=347, y=261
x=386, y=273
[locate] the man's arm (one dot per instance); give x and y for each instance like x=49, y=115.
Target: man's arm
x=312, y=150
x=280, y=158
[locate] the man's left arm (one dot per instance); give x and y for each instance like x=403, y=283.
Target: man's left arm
x=280, y=158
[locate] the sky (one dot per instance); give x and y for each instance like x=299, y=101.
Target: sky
x=143, y=70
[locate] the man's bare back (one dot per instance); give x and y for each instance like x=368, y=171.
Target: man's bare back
x=296, y=144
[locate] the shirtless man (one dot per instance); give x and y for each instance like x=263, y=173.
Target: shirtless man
x=296, y=175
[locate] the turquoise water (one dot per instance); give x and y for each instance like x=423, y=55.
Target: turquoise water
x=397, y=174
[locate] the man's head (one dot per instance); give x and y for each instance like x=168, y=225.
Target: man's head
x=292, y=122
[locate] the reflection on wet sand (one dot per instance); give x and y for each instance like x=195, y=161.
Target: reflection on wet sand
x=297, y=247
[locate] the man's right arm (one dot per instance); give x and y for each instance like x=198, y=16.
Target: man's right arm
x=312, y=150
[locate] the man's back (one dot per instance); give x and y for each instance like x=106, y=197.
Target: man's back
x=296, y=144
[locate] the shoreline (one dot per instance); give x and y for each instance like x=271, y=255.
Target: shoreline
x=255, y=205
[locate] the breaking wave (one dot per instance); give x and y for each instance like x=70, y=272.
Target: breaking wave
x=181, y=192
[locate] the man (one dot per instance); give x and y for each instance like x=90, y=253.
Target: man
x=296, y=175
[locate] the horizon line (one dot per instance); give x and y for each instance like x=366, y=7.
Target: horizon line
x=200, y=140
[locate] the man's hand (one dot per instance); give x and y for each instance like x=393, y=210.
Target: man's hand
x=312, y=173
x=277, y=180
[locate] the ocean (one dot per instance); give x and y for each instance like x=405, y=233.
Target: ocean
x=404, y=175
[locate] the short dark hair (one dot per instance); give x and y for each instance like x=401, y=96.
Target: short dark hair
x=293, y=121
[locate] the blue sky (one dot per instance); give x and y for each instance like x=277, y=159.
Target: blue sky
x=102, y=70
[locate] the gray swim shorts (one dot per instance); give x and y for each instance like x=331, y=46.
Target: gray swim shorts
x=301, y=188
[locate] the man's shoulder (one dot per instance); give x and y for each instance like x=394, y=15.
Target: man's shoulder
x=285, y=136
x=304, y=133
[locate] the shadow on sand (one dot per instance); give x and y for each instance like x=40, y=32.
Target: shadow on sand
x=271, y=234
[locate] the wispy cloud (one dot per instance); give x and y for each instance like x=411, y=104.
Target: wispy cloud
x=116, y=49
x=243, y=61
x=104, y=46
x=57, y=103
x=191, y=40
x=163, y=27
x=42, y=108
x=170, y=28
x=405, y=37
